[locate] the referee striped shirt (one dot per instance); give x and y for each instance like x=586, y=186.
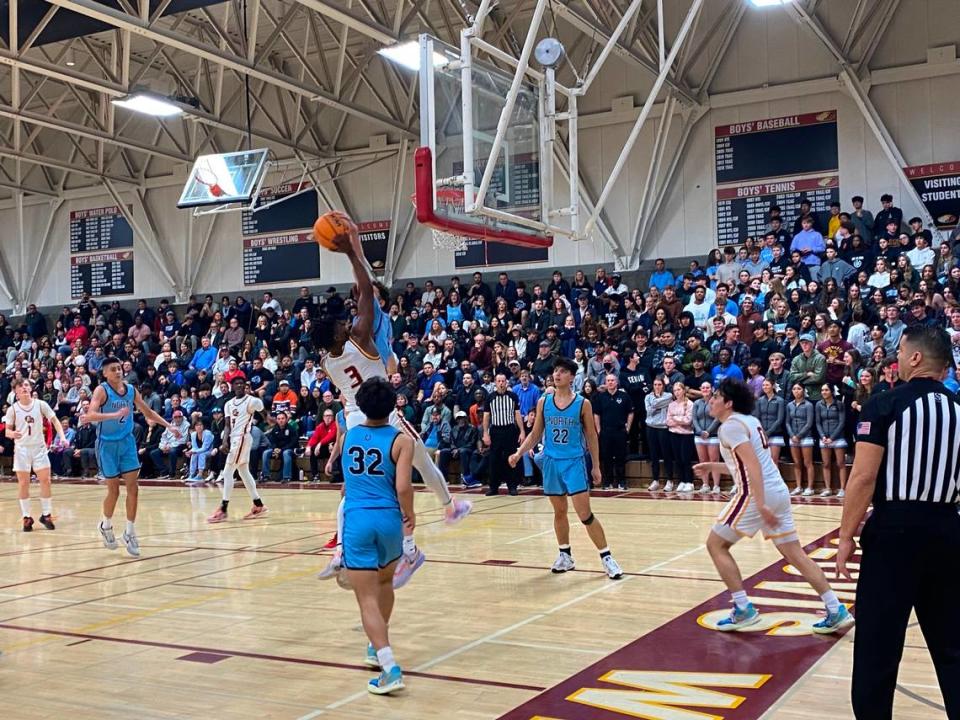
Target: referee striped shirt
x=502, y=408
x=918, y=426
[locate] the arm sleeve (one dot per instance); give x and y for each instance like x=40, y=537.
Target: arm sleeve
x=807, y=410
x=841, y=421
x=874, y=421
x=818, y=419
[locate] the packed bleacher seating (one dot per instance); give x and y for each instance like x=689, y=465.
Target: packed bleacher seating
x=810, y=319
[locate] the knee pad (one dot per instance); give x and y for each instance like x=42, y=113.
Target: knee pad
x=589, y=520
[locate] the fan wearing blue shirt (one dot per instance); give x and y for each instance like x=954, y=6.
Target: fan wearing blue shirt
x=661, y=277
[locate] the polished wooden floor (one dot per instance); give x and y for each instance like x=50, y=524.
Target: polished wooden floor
x=229, y=621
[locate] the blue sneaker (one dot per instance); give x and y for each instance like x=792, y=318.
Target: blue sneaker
x=834, y=621
x=388, y=682
x=739, y=619
x=371, y=659
x=406, y=568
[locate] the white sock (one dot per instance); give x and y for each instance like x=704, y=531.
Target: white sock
x=740, y=599
x=340, y=522
x=409, y=547
x=106, y=523
x=248, y=481
x=131, y=530
x=25, y=507
x=831, y=600
x=385, y=658
x=46, y=504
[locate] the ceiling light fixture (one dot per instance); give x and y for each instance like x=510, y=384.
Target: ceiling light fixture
x=153, y=104
x=769, y=3
x=407, y=54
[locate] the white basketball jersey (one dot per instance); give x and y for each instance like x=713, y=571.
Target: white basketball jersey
x=240, y=411
x=737, y=430
x=29, y=421
x=349, y=369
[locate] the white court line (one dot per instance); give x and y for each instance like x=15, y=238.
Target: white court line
x=494, y=635
x=538, y=646
x=847, y=678
x=529, y=537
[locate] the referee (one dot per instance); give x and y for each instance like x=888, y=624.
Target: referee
x=908, y=464
x=613, y=415
x=503, y=432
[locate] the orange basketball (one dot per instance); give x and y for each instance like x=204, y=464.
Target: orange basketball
x=326, y=229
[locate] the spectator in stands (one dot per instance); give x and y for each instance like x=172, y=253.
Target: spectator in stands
x=171, y=446
x=198, y=451
x=863, y=220
x=888, y=215
x=808, y=241
x=283, y=441
x=809, y=368
x=321, y=442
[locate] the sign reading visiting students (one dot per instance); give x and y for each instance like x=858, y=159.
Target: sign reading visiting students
x=938, y=185
x=774, y=161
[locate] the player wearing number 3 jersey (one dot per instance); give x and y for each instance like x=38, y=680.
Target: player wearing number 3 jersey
x=760, y=502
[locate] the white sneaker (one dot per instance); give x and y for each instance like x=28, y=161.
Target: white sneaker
x=211, y=476
x=563, y=563
x=841, y=494
x=807, y=492
x=331, y=570
x=705, y=488
x=109, y=539
x=796, y=491
x=133, y=545
x=654, y=486
x=612, y=567
x=826, y=492
x=668, y=487
x=716, y=489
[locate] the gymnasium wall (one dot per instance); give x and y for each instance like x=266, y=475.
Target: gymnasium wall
x=916, y=112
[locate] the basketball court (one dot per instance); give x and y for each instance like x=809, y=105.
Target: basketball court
x=230, y=620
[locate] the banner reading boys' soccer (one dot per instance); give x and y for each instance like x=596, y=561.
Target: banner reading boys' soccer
x=938, y=185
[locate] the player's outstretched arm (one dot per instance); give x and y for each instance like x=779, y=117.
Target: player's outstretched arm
x=150, y=414
x=363, y=328
x=403, y=458
x=593, y=439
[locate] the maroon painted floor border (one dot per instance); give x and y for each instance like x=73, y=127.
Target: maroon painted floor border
x=686, y=667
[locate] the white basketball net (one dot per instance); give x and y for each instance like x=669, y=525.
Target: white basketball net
x=443, y=240
x=449, y=202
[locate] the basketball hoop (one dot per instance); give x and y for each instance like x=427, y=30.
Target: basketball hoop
x=449, y=202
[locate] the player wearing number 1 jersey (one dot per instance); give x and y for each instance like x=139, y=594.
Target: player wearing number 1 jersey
x=24, y=425
x=760, y=501
x=565, y=421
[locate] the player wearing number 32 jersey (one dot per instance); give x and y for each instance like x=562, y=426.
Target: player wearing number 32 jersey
x=760, y=502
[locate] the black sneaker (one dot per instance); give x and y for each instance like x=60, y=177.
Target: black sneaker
x=491, y=493
x=513, y=491
x=28, y=524
x=47, y=522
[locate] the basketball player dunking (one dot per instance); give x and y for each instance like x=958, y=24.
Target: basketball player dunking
x=239, y=413
x=354, y=355
x=111, y=407
x=24, y=425
x=760, y=501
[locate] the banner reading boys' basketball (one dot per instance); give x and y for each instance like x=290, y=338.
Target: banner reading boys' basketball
x=938, y=185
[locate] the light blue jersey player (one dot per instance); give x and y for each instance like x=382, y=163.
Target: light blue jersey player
x=112, y=406
x=565, y=422
x=377, y=462
x=564, y=451
x=382, y=332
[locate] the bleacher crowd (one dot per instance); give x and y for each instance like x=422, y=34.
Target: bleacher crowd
x=809, y=315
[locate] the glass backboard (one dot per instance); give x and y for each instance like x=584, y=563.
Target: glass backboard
x=515, y=185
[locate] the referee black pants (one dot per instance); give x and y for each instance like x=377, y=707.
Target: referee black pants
x=504, y=442
x=910, y=560
x=613, y=457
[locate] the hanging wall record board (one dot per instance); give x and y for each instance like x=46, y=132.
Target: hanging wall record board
x=298, y=211
x=98, y=229
x=280, y=258
x=773, y=161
